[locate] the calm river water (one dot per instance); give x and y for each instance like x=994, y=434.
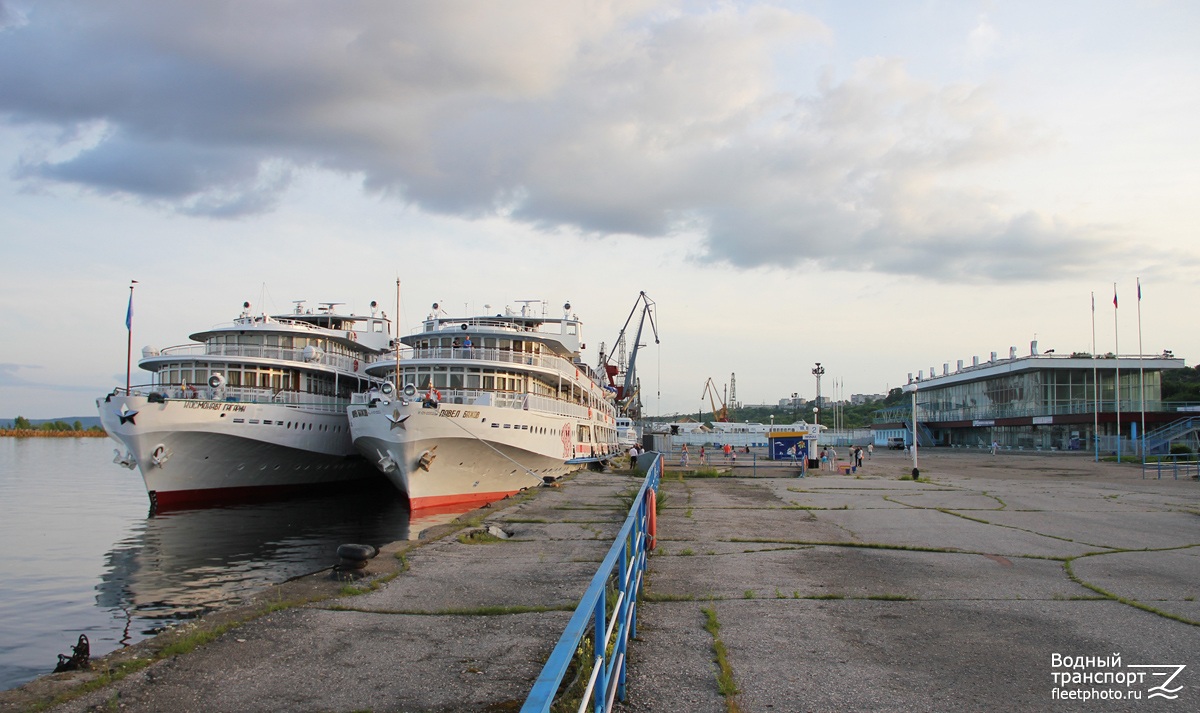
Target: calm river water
x=79, y=554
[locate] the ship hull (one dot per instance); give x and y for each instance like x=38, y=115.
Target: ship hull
x=456, y=454
x=193, y=452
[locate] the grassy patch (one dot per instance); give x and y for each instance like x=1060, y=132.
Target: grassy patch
x=726, y=683
x=478, y=537
x=659, y=597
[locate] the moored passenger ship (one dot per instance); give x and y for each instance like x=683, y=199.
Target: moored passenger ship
x=485, y=406
x=254, y=408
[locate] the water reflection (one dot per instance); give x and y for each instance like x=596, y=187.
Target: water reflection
x=182, y=564
x=80, y=556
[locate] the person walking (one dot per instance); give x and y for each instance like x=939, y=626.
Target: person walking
x=870, y=450
x=683, y=456
x=832, y=459
x=703, y=456
x=995, y=446
x=634, y=452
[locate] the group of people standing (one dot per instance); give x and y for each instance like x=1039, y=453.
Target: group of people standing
x=829, y=456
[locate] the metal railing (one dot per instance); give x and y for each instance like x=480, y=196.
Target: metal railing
x=341, y=362
x=547, y=362
x=626, y=561
x=521, y=401
x=932, y=413
x=1185, y=464
x=241, y=395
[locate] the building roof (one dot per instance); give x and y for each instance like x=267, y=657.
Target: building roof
x=1043, y=362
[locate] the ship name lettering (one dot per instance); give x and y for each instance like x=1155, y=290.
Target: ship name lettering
x=470, y=414
x=202, y=405
x=448, y=413
x=358, y=413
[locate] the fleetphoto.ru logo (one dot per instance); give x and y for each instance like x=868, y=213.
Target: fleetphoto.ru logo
x=1103, y=678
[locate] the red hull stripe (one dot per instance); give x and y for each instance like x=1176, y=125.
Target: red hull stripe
x=434, y=501
x=183, y=499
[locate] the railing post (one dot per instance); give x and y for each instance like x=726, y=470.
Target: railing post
x=600, y=647
x=622, y=632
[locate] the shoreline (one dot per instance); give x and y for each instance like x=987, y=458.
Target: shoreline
x=38, y=433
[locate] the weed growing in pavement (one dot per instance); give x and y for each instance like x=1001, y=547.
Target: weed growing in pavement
x=726, y=684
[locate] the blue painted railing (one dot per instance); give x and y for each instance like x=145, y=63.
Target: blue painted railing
x=1159, y=440
x=1175, y=465
x=626, y=560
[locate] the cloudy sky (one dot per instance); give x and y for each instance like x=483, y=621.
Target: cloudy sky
x=878, y=186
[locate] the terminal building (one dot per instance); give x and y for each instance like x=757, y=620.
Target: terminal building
x=1041, y=401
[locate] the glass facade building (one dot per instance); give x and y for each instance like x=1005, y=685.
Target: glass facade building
x=1036, y=402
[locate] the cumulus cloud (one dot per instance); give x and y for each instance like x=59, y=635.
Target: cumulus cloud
x=625, y=116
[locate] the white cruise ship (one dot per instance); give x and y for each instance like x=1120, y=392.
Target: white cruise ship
x=487, y=406
x=253, y=408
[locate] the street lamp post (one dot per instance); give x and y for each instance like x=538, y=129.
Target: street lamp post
x=817, y=372
x=915, y=472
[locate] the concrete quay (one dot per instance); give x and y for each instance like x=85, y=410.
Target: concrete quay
x=873, y=592
x=832, y=593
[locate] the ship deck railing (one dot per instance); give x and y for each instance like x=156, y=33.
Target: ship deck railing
x=339, y=362
x=519, y=401
x=619, y=580
x=241, y=395
x=552, y=363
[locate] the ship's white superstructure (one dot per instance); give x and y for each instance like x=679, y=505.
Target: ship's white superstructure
x=251, y=408
x=486, y=406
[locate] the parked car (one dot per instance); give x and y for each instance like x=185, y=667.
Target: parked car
x=895, y=443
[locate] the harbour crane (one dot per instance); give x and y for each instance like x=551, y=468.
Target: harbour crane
x=710, y=390
x=628, y=400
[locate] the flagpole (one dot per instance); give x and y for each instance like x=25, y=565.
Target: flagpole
x=396, y=344
x=1141, y=370
x=129, y=339
x=1117, y=371
x=1095, y=387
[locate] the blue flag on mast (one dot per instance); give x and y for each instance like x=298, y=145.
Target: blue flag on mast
x=129, y=309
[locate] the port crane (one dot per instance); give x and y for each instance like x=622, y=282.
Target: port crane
x=710, y=390
x=628, y=399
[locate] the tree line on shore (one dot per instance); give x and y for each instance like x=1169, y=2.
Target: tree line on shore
x=22, y=426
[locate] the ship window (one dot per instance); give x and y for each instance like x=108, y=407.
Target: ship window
x=472, y=381
x=439, y=381
x=489, y=382
x=456, y=381
x=234, y=376
x=489, y=343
